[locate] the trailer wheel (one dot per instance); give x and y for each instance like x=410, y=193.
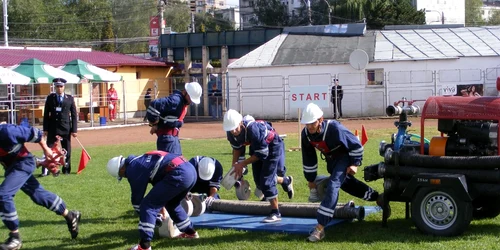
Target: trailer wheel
x=486, y=207
x=440, y=212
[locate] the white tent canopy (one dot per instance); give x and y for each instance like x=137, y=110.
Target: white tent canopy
x=8, y=76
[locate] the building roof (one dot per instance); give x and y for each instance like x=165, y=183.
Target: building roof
x=380, y=45
x=58, y=56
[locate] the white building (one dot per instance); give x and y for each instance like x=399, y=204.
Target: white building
x=488, y=9
x=231, y=14
x=203, y=6
x=413, y=63
x=442, y=11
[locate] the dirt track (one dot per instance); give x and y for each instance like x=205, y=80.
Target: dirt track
x=198, y=130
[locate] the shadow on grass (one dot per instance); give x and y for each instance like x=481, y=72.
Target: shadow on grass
x=398, y=230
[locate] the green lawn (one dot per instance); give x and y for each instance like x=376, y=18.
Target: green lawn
x=109, y=222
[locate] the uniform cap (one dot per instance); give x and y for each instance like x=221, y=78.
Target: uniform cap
x=194, y=91
x=59, y=81
x=311, y=113
x=232, y=120
x=206, y=168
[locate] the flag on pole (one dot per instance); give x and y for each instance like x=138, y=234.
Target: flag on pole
x=364, y=136
x=84, y=158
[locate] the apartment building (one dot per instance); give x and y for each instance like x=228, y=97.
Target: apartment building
x=202, y=6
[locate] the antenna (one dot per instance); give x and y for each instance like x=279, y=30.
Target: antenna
x=358, y=59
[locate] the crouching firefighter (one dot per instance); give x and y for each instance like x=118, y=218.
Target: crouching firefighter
x=171, y=175
x=343, y=154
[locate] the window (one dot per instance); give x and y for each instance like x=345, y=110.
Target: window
x=375, y=76
x=73, y=89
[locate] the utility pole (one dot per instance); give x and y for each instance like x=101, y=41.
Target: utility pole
x=442, y=17
x=192, y=23
x=161, y=9
x=5, y=23
x=309, y=12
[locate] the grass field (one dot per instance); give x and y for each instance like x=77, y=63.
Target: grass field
x=109, y=222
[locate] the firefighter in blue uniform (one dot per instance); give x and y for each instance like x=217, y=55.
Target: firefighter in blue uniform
x=19, y=165
x=286, y=182
x=267, y=154
x=209, y=176
x=172, y=177
x=166, y=116
x=343, y=154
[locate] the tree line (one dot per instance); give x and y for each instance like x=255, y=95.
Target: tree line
x=106, y=25
x=376, y=13
x=123, y=25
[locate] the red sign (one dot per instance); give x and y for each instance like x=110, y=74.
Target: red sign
x=154, y=26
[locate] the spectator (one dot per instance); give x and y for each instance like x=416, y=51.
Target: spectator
x=215, y=101
x=337, y=95
x=112, y=102
x=147, y=101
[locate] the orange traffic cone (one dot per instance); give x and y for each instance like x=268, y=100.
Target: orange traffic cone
x=356, y=134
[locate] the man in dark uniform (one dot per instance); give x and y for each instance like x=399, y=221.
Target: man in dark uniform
x=337, y=95
x=59, y=119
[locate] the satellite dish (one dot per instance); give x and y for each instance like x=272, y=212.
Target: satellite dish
x=358, y=59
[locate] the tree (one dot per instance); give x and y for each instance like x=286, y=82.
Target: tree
x=473, y=13
x=216, y=23
x=177, y=16
x=271, y=13
x=494, y=18
x=392, y=12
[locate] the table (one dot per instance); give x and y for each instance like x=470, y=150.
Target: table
x=103, y=111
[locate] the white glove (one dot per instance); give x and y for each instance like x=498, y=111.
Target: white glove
x=313, y=195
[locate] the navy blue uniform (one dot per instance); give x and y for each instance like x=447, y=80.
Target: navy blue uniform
x=203, y=186
x=341, y=149
x=171, y=176
x=19, y=165
x=268, y=147
x=60, y=118
x=169, y=112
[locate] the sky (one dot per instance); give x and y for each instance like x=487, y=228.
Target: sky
x=232, y=3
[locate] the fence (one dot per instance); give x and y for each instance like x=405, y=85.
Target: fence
x=26, y=103
x=268, y=96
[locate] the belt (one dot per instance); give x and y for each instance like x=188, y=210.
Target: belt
x=168, y=131
x=174, y=163
x=270, y=136
x=333, y=154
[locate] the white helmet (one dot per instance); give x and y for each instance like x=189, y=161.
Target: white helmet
x=114, y=166
x=194, y=91
x=248, y=118
x=311, y=113
x=231, y=120
x=206, y=168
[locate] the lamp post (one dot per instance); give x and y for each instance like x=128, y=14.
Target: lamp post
x=440, y=13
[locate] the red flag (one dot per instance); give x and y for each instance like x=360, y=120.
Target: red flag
x=84, y=159
x=364, y=136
